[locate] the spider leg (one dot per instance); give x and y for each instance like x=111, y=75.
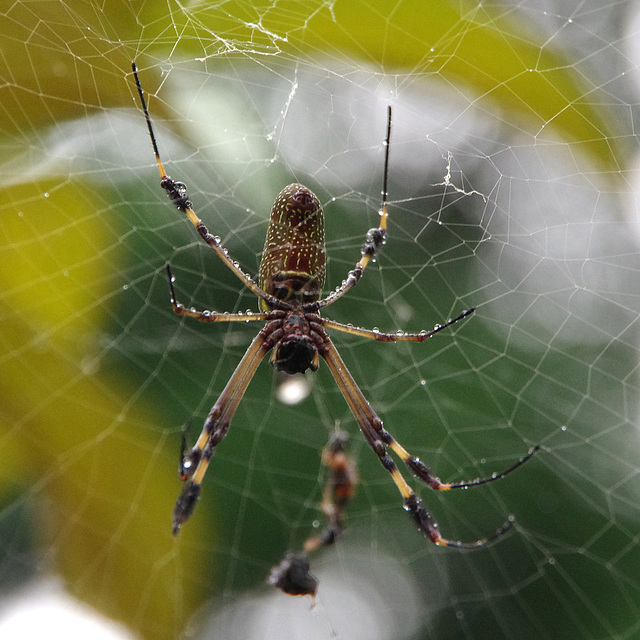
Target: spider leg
x=206, y=315
x=399, y=336
x=177, y=193
x=195, y=462
x=374, y=239
x=379, y=439
x=421, y=471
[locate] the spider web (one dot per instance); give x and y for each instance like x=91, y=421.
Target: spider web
x=512, y=190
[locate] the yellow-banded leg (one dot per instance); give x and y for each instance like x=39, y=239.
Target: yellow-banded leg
x=380, y=439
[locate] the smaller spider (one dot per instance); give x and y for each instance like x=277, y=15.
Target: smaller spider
x=292, y=575
x=340, y=487
x=291, y=279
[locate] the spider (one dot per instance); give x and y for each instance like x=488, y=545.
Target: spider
x=340, y=486
x=289, y=289
x=292, y=575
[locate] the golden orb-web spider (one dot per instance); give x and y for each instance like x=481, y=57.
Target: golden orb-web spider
x=290, y=283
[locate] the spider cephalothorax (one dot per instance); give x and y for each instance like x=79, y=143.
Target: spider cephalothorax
x=297, y=338
x=292, y=274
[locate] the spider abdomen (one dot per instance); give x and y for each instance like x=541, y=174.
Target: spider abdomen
x=293, y=261
x=288, y=285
